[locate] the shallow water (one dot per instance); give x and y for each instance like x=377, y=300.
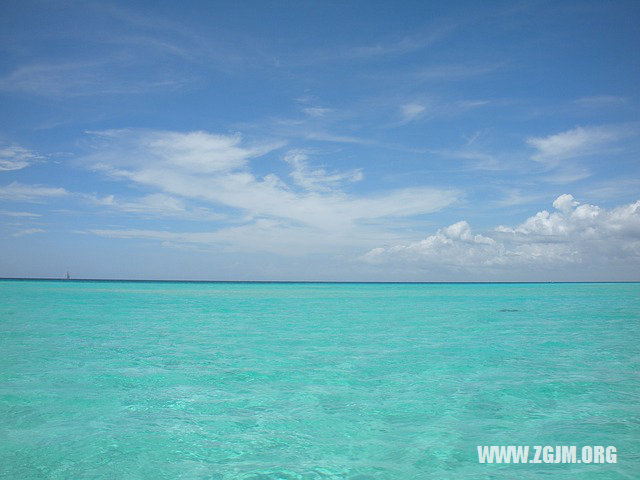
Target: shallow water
x=314, y=381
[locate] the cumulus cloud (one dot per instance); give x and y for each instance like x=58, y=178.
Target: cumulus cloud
x=572, y=234
x=565, y=203
x=15, y=157
x=30, y=193
x=453, y=246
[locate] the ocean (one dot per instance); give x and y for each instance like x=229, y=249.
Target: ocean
x=161, y=380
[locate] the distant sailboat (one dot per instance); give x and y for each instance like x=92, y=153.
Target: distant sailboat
x=67, y=277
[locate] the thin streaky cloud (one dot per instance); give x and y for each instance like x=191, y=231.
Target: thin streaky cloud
x=568, y=174
x=513, y=197
x=160, y=46
x=316, y=111
x=15, y=157
x=20, y=214
x=579, y=141
x=412, y=111
x=20, y=192
x=153, y=205
x=451, y=72
x=400, y=47
x=387, y=48
x=615, y=188
x=336, y=138
x=75, y=79
x=601, y=101
x=27, y=231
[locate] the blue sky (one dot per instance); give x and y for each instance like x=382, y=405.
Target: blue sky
x=348, y=141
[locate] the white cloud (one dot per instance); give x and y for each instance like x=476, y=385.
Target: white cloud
x=330, y=137
x=27, y=231
x=318, y=179
x=15, y=157
x=561, y=154
x=216, y=170
x=399, y=47
x=453, y=246
x=156, y=204
x=412, y=111
x=513, y=197
x=573, y=234
x=451, y=72
x=193, y=152
x=469, y=104
x=567, y=174
x=316, y=111
x=580, y=141
x=614, y=187
x=72, y=79
x=263, y=235
x=565, y=203
x=477, y=160
x=19, y=214
x=601, y=101
x=430, y=108
x=30, y=193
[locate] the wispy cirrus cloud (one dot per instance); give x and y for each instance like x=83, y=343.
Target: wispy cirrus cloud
x=385, y=47
x=27, y=231
x=412, y=111
x=216, y=170
x=15, y=157
x=580, y=141
x=512, y=197
x=398, y=47
x=316, y=111
x=107, y=76
x=601, y=101
x=21, y=192
x=324, y=136
x=451, y=72
x=154, y=205
x=19, y=214
x=561, y=154
x=317, y=179
x=263, y=235
x=112, y=50
x=433, y=108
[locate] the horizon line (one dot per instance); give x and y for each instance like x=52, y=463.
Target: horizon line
x=62, y=279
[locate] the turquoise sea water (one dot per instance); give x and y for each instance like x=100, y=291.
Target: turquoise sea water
x=314, y=381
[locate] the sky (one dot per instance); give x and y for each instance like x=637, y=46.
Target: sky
x=320, y=141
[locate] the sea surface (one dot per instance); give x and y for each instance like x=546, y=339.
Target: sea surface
x=144, y=380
